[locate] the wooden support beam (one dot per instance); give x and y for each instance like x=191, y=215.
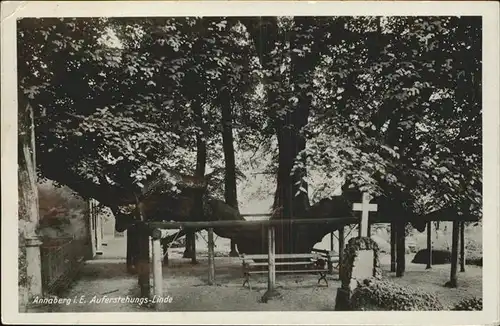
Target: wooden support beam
x=462, y=246
x=452, y=283
x=429, y=245
x=229, y=223
x=211, y=257
x=157, y=271
x=393, y=246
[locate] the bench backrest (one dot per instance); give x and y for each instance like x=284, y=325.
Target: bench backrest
x=279, y=256
x=325, y=253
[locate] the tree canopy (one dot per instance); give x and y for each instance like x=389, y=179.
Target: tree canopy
x=390, y=104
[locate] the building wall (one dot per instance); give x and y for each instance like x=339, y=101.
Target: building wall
x=62, y=212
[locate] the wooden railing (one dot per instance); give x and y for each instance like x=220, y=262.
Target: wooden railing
x=61, y=259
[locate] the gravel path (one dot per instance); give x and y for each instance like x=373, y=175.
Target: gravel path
x=185, y=284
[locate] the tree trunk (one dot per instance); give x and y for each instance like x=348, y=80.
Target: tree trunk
x=454, y=256
x=143, y=266
x=132, y=248
x=291, y=198
x=400, y=249
x=429, y=245
x=393, y=246
x=201, y=159
x=462, y=246
x=341, y=245
x=230, y=190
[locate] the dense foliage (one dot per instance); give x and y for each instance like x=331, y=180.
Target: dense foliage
x=393, y=104
x=386, y=295
x=469, y=304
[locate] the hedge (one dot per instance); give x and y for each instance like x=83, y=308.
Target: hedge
x=473, y=303
x=439, y=257
x=385, y=295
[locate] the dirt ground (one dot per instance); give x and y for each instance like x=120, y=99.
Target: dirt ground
x=186, y=289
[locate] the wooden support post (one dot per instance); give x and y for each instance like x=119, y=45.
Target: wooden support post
x=400, y=249
x=429, y=245
x=271, y=284
x=142, y=265
x=452, y=283
x=271, y=275
x=211, y=257
x=462, y=246
x=393, y=246
x=157, y=269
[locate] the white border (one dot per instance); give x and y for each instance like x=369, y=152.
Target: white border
x=487, y=9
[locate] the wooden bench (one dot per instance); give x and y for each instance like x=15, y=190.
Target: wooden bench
x=330, y=256
x=285, y=263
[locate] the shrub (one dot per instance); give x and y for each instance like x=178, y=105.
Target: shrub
x=478, y=261
x=439, y=257
x=473, y=303
x=22, y=264
x=385, y=295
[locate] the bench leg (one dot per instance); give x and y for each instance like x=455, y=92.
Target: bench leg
x=322, y=276
x=247, y=281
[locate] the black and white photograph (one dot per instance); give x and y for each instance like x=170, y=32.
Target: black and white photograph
x=251, y=160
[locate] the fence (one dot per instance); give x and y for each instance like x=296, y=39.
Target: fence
x=61, y=260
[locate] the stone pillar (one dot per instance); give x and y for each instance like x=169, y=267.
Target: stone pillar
x=34, y=267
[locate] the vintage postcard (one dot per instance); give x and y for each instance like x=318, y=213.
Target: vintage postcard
x=250, y=162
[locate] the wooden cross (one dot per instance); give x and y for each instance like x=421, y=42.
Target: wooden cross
x=365, y=207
